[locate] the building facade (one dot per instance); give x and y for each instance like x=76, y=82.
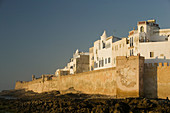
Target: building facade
x=101, y=53
x=148, y=40
x=78, y=64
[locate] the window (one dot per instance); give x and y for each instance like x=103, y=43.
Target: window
x=114, y=60
x=161, y=55
x=95, y=64
x=109, y=60
x=96, y=51
x=132, y=41
x=91, y=68
x=151, y=54
x=141, y=29
x=102, y=63
x=103, y=44
x=106, y=61
x=120, y=45
x=130, y=53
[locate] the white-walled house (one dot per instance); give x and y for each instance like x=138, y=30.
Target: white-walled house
x=79, y=63
x=147, y=40
x=102, y=54
x=150, y=41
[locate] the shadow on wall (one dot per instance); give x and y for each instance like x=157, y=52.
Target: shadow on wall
x=156, y=74
x=150, y=80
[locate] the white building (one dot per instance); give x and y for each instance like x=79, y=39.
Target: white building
x=101, y=54
x=79, y=63
x=148, y=40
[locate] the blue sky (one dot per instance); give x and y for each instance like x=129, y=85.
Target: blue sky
x=39, y=36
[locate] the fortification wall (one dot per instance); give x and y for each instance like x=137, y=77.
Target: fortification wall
x=39, y=85
x=122, y=81
x=163, y=80
x=150, y=80
x=157, y=80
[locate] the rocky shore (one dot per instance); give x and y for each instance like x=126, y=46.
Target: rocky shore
x=55, y=102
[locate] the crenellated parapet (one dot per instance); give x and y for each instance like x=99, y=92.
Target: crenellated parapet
x=165, y=64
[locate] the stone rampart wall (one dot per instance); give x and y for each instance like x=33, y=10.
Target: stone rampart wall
x=163, y=80
x=122, y=81
x=157, y=80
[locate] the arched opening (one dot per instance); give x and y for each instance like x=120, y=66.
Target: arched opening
x=103, y=44
x=141, y=29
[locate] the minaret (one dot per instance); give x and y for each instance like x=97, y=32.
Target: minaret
x=104, y=36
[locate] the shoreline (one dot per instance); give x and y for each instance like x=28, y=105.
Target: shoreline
x=79, y=102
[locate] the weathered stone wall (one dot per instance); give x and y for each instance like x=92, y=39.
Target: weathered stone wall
x=157, y=80
x=163, y=80
x=150, y=81
x=129, y=79
x=122, y=81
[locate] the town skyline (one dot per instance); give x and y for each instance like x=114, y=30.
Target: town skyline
x=39, y=37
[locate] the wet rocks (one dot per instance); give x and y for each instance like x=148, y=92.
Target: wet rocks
x=55, y=102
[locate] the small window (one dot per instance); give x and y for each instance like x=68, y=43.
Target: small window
x=114, y=60
x=120, y=45
x=103, y=44
x=109, y=60
x=95, y=65
x=91, y=68
x=106, y=61
x=99, y=63
x=130, y=53
x=161, y=55
x=132, y=41
x=151, y=54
